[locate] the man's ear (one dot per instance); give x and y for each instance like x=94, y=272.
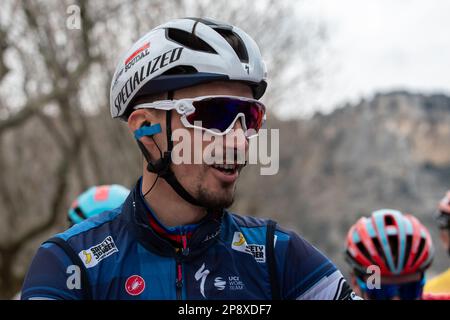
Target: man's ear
x=138, y=118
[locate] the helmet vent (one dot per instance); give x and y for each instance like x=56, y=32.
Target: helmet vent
x=393, y=244
x=180, y=70
x=407, y=250
x=188, y=40
x=235, y=42
x=389, y=220
x=364, y=251
x=419, y=250
x=379, y=250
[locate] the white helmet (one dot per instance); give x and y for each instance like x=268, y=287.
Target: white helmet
x=182, y=53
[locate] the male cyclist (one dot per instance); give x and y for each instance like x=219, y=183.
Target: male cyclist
x=438, y=288
x=173, y=238
x=95, y=200
x=389, y=253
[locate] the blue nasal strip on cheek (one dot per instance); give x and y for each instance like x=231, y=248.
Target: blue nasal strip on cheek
x=147, y=131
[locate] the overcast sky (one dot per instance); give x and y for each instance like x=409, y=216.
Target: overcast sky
x=378, y=45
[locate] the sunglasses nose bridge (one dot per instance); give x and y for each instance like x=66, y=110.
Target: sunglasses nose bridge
x=239, y=124
x=240, y=129
x=248, y=133
x=236, y=125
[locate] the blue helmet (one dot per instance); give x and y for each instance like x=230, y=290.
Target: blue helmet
x=96, y=200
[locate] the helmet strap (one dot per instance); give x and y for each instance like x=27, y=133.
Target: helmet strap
x=166, y=172
x=162, y=166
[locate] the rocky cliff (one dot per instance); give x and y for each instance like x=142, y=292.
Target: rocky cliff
x=392, y=151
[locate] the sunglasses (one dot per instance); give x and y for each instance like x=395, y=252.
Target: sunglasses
x=215, y=114
x=405, y=291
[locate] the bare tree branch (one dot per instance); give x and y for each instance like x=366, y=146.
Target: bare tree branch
x=28, y=110
x=3, y=46
x=57, y=201
x=57, y=71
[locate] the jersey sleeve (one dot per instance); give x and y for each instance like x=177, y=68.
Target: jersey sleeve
x=310, y=275
x=51, y=276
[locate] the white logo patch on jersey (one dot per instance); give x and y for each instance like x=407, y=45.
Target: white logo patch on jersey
x=258, y=251
x=92, y=256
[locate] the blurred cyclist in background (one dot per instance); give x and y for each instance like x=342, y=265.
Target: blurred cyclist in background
x=95, y=200
x=398, y=247
x=438, y=288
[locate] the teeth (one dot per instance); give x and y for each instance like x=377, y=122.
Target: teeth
x=225, y=166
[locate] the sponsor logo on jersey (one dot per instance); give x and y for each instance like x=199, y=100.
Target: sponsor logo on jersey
x=201, y=275
x=258, y=251
x=92, y=256
x=211, y=236
x=231, y=282
x=219, y=283
x=135, y=285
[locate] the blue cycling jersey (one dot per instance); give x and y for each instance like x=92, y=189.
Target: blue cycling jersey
x=225, y=258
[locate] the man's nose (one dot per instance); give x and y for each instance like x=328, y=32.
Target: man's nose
x=240, y=141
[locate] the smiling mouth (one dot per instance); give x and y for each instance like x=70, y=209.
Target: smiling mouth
x=228, y=169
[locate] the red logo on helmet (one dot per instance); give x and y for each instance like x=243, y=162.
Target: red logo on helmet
x=134, y=285
x=136, y=56
x=101, y=193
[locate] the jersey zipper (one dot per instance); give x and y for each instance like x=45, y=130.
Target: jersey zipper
x=179, y=281
x=179, y=267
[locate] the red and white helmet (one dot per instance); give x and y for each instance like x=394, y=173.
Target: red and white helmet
x=395, y=242
x=183, y=53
